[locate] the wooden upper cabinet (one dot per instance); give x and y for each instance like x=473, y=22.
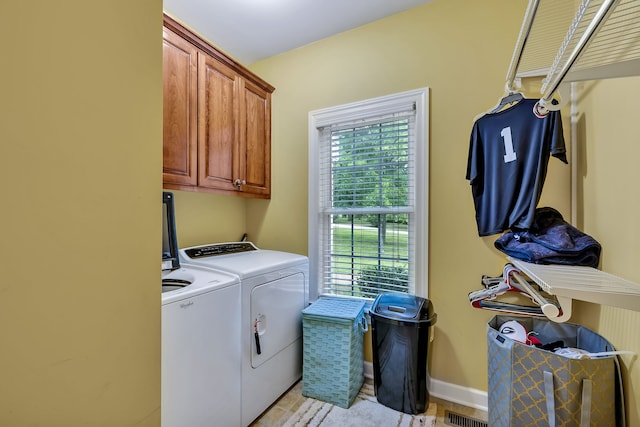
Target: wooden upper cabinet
x=217, y=124
x=179, y=83
x=217, y=119
x=255, y=137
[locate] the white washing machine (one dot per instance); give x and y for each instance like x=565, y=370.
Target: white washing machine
x=274, y=291
x=200, y=348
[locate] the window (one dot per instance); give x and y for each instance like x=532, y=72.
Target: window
x=368, y=172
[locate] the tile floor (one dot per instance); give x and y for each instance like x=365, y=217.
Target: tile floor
x=289, y=402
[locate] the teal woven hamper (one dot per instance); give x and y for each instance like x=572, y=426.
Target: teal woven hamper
x=332, y=350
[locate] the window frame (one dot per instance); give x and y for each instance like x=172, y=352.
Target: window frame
x=361, y=110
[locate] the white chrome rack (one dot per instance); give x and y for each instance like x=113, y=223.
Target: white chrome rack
x=569, y=282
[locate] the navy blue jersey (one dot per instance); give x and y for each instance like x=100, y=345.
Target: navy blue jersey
x=507, y=165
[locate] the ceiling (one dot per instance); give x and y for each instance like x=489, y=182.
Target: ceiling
x=250, y=30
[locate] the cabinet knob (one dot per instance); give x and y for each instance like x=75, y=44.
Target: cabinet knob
x=239, y=182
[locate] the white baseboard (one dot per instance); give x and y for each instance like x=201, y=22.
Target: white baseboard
x=368, y=370
x=466, y=396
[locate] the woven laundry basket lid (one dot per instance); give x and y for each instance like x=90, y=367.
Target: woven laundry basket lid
x=337, y=309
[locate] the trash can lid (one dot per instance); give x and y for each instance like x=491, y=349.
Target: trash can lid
x=398, y=306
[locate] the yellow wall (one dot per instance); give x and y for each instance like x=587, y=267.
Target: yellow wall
x=203, y=218
x=608, y=206
x=461, y=51
x=80, y=161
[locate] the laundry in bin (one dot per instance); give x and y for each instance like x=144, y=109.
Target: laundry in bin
x=537, y=385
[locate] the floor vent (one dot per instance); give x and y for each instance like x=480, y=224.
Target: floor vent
x=453, y=419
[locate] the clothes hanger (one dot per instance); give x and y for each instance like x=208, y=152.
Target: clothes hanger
x=543, y=106
x=512, y=96
x=494, y=287
x=506, y=100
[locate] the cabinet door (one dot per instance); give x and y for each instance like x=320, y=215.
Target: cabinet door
x=217, y=124
x=255, y=139
x=179, y=84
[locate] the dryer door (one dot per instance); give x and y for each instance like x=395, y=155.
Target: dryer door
x=276, y=313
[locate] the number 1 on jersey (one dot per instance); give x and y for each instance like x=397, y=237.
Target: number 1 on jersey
x=510, y=155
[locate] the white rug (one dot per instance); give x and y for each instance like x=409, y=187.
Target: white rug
x=364, y=411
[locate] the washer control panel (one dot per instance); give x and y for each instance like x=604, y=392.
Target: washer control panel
x=219, y=249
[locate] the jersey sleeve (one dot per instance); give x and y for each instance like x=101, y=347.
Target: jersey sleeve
x=558, y=149
x=475, y=159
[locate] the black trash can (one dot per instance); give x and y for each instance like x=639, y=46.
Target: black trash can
x=400, y=328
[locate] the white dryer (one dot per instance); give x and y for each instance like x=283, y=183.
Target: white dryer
x=274, y=291
x=201, y=367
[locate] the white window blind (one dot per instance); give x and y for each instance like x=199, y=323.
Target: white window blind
x=367, y=200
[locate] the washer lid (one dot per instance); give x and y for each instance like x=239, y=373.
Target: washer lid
x=196, y=280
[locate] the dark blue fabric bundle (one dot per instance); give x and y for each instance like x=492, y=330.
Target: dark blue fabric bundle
x=551, y=240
